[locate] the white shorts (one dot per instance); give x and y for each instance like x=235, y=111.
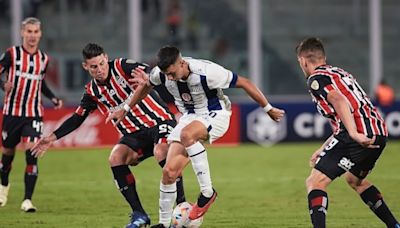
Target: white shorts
x=217, y=123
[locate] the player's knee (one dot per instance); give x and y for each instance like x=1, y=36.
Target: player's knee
x=187, y=138
x=115, y=159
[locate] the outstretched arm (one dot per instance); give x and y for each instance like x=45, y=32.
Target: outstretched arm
x=253, y=91
x=67, y=127
x=141, y=81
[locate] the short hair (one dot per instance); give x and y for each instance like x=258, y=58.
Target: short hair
x=92, y=50
x=30, y=20
x=311, y=49
x=167, y=56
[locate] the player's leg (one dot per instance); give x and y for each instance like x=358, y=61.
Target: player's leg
x=373, y=198
x=120, y=158
x=176, y=161
x=31, y=132
x=11, y=135
x=367, y=191
x=5, y=168
x=190, y=138
x=317, y=184
x=324, y=172
x=161, y=146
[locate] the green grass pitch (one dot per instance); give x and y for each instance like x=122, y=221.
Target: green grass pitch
x=257, y=187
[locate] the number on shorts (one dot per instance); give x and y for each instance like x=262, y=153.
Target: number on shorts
x=37, y=125
x=212, y=114
x=164, y=128
x=331, y=144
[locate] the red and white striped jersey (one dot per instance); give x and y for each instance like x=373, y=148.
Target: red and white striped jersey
x=327, y=78
x=112, y=96
x=25, y=72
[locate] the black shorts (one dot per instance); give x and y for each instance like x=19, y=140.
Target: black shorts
x=344, y=154
x=16, y=129
x=143, y=141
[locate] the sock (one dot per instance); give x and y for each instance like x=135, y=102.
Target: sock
x=373, y=198
x=5, y=168
x=198, y=156
x=318, y=205
x=180, y=192
x=31, y=174
x=126, y=184
x=167, y=199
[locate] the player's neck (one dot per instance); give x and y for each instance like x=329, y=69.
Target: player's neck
x=30, y=49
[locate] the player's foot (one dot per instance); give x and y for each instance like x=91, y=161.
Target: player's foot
x=160, y=225
x=27, y=206
x=198, y=211
x=138, y=219
x=4, y=194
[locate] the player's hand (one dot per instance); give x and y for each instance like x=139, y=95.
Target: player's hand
x=117, y=115
x=58, y=103
x=276, y=114
x=40, y=148
x=364, y=141
x=7, y=86
x=139, y=77
x=314, y=157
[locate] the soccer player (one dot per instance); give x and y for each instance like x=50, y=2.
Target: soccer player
x=197, y=86
x=22, y=112
x=144, y=129
x=359, y=134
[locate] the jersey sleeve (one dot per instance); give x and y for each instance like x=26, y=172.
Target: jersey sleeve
x=128, y=65
x=5, y=61
x=220, y=78
x=87, y=105
x=156, y=77
x=320, y=85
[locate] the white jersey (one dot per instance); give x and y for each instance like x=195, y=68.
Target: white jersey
x=202, y=91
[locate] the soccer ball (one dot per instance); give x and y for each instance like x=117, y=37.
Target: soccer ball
x=180, y=217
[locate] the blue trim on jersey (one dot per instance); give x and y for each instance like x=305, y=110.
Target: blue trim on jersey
x=213, y=100
x=209, y=128
x=162, y=78
x=183, y=88
x=234, y=80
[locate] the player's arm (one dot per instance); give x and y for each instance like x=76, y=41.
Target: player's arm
x=58, y=103
x=68, y=126
x=252, y=90
x=143, y=87
x=5, y=63
x=342, y=108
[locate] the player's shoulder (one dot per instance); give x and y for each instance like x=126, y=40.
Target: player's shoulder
x=200, y=66
x=155, y=72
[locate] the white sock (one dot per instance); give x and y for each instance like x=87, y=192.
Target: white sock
x=198, y=156
x=167, y=200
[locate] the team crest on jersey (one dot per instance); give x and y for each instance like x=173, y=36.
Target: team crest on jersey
x=315, y=85
x=186, y=97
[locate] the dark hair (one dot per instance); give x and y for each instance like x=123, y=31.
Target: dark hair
x=167, y=56
x=311, y=48
x=92, y=50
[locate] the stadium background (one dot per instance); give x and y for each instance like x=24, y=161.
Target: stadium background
x=255, y=38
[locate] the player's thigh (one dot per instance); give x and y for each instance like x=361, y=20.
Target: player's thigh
x=317, y=180
x=333, y=160
x=11, y=131
x=31, y=131
x=139, y=147
x=219, y=124
x=364, y=159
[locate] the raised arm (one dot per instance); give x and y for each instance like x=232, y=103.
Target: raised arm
x=253, y=91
